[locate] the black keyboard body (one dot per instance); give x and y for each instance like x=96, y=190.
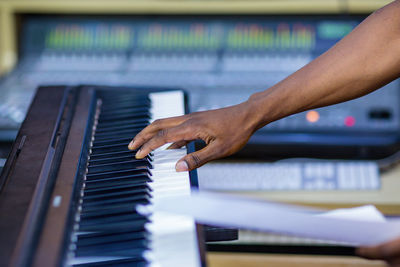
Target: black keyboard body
x=43, y=201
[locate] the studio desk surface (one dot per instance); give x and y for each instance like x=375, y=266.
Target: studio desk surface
x=271, y=260
x=387, y=200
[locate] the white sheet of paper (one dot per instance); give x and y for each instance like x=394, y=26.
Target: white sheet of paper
x=358, y=226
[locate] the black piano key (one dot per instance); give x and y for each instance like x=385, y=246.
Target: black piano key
x=124, y=262
x=112, y=147
x=116, y=188
x=106, y=206
x=122, y=114
x=83, y=235
x=109, y=202
x=114, y=202
x=121, y=182
x=107, y=211
x=134, y=248
x=115, y=174
x=114, y=100
x=137, y=126
x=111, y=124
x=133, y=108
x=103, y=238
x=123, y=93
x=124, y=162
x=132, y=226
x=120, y=111
x=94, y=196
x=123, y=105
x=123, y=138
x=110, y=219
x=122, y=117
x=114, y=159
x=115, y=166
x=112, y=150
x=112, y=103
x=126, y=136
x=112, y=192
x=113, y=154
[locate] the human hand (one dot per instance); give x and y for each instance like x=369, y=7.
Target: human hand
x=224, y=131
x=389, y=251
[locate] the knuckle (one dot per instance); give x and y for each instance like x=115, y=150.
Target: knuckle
x=152, y=144
x=140, y=137
x=146, y=147
x=157, y=122
x=140, y=140
x=155, y=125
x=190, y=123
x=163, y=134
x=195, y=159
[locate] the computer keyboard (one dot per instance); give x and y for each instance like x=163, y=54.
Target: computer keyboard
x=248, y=237
x=290, y=176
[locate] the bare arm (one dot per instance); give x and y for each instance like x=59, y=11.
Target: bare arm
x=363, y=61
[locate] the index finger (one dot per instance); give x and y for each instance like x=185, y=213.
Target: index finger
x=149, y=131
x=174, y=134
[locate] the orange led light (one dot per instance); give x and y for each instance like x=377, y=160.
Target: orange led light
x=312, y=116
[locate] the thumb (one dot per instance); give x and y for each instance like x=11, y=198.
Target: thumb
x=196, y=159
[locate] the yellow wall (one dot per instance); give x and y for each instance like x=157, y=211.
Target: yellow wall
x=9, y=8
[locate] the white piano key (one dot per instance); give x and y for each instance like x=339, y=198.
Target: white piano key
x=173, y=237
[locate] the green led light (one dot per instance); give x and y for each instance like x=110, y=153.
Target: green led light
x=258, y=37
x=334, y=30
x=76, y=37
x=170, y=37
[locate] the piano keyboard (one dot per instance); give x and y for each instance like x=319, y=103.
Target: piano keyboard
x=108, y=229
x=92, y=218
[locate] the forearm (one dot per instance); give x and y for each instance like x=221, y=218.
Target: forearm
x=366, y=59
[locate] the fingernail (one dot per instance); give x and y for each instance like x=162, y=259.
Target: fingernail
x=181, y=166
x=139, y=154
x=131, y=145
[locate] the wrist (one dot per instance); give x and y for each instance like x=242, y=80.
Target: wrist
x=254, y=118
x=261, y=110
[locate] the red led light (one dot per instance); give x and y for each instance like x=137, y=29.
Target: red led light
x=349, y=121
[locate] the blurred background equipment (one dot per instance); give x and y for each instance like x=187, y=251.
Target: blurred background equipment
x=219, y=59
x=290, y=176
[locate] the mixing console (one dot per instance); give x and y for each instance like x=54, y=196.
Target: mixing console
x=219, y=60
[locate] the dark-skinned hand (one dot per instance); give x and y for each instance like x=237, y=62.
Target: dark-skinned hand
x=224, y=131
x=389, y=252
